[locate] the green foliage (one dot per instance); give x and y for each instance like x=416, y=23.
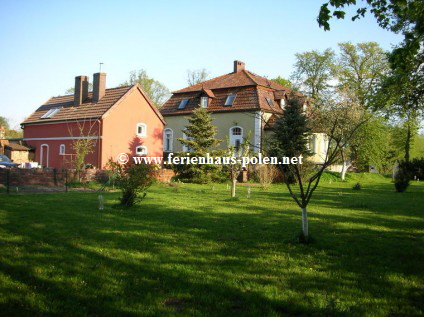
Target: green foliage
x=133, y=180
x=283, y=82
x=291, y=131
x=357, y=186
x=200, y=139
x=313, y=73
x=398, y=16
x=372, y=145
x=155, y=90
x=402, y=178
x=360, y=68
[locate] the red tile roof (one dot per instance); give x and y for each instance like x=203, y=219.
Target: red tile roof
x=239, y=79
x=87, y=110
x=252, y=93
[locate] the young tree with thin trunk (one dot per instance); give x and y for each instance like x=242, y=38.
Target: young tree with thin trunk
x=243, y=150
x=339, y=121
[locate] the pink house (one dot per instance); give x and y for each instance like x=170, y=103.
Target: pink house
x=116, y=120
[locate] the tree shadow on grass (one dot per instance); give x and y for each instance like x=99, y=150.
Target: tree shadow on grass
x=200, y=261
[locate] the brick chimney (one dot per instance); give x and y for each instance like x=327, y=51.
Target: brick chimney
x=99, y=86
x=238, y=66
x=81, y=90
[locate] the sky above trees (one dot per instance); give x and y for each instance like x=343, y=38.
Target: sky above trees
x=46, y=44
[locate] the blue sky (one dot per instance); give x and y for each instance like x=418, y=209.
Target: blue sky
x=45, y=44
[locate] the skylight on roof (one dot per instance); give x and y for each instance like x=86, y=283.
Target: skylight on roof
x=183, y=104
x=50, y=113
x=269, y=101
x=230, y=100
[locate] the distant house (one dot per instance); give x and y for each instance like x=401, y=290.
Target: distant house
x=117, y=120
x=240, y=102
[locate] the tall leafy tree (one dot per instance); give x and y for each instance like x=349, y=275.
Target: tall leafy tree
x=4, y=123
x=398, y=16
x=157, y=92
x=313, y=74
x=361, y=68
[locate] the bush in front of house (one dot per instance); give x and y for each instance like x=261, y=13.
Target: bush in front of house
x=133, y=180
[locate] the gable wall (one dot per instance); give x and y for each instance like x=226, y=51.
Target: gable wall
x=120, y=124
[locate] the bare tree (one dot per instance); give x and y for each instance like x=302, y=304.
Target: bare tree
x=197, y=76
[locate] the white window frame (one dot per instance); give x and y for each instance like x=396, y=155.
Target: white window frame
x=233, y=138
x=62, y=149
x=227, y=101
x=47, y=154
x=50, y=113
x=185, y=147
x=282, y=103
x=204, y=101
x=168, y=130
x=143, y=133
x=143, y=148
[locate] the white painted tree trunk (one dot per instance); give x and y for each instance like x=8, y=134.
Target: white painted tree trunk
x=305, y=228
x=233, y=187
x=345, y=167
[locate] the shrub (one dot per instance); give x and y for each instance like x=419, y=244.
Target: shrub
x=266, y=174
x=198, y=173
x=133, y=180
x=402, y=179
x=357, y=186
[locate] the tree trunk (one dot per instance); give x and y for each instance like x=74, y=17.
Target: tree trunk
x=345, y=167
x=233, y=187
x=408, y=142
x=305, y=229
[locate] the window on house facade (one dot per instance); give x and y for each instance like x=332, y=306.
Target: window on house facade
x=269, y=101
x=168, y=137
x=183, y=103
x=141, y=150
x=141, y=130
x=230, y=100
x=50, y=113
x=282, y=103
x=236, y=136
x=62, y=149
x=185, y=147
x=204, y=102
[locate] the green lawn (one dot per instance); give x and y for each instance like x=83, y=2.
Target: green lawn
x=193, y=251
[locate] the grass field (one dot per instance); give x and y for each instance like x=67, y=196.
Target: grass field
x=193, y=251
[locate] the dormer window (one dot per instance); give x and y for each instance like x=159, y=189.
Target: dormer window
x=50, y=113
x=269, y=101
x=230, y=100
x=204, y=102
x=183, y=103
